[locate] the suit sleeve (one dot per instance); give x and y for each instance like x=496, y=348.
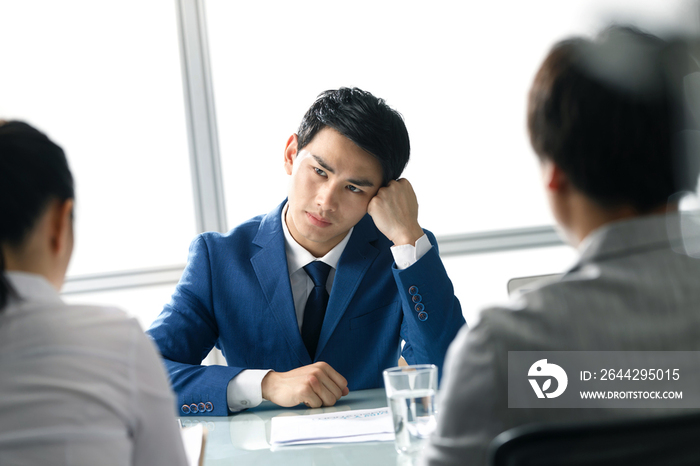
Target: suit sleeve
x=185, y=332
x=432, y=313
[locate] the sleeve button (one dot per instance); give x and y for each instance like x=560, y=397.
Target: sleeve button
x=423, y=316
x=185, y=409
x=419, y=307
x=193, y=408
x=208, y=406
x=417, y=298
x=413, y=290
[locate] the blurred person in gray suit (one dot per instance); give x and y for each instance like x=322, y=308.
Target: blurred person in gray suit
x=600, y=118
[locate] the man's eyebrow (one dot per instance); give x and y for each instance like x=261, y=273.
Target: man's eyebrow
x=356, y=181
x=322, y=163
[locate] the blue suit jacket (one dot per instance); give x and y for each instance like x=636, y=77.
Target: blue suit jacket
x=235, y=293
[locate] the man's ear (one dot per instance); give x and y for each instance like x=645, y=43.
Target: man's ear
x=554, y=178
x=290, y=153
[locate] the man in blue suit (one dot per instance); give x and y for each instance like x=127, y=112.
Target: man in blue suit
x=314, y=298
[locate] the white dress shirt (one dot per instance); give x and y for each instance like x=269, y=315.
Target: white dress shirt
x=245, y=390
x=80, y=385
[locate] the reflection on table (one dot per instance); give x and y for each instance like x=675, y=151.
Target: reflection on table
x=244, y=438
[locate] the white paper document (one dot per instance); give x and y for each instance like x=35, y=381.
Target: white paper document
x=362, y=425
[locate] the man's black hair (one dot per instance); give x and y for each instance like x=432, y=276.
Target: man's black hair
x=604, y=112
x=364, y=119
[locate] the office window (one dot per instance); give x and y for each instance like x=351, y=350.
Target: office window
x=481, y=280
x=144, y=303
x=103, y=80
x=459, y=72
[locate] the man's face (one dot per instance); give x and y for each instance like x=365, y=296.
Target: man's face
x=332, y=182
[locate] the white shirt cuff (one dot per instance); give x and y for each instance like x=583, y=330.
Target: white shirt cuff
x=405, y=255
x=245, y=390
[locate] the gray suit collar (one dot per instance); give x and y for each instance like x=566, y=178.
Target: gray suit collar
x=628, y=236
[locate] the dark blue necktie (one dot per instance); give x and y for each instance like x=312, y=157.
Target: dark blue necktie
x=315, y=309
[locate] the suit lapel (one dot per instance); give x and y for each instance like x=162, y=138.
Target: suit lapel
x=353, y=265
x=270, y=265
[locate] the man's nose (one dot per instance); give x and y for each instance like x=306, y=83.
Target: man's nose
x=327, y=196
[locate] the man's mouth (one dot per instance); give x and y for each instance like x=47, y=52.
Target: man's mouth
x=317, y=220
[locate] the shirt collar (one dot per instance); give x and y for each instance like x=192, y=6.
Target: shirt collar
x=32, y=287
x=298, y=257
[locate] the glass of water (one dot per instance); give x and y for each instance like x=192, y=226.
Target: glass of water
x=410, y=392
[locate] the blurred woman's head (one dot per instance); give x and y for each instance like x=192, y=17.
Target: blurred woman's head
x=36, y=206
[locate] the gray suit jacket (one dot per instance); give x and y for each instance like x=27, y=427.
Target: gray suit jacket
x=629, y=291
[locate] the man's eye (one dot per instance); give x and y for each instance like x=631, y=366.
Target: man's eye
x=354, y=189
x=319, y=171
